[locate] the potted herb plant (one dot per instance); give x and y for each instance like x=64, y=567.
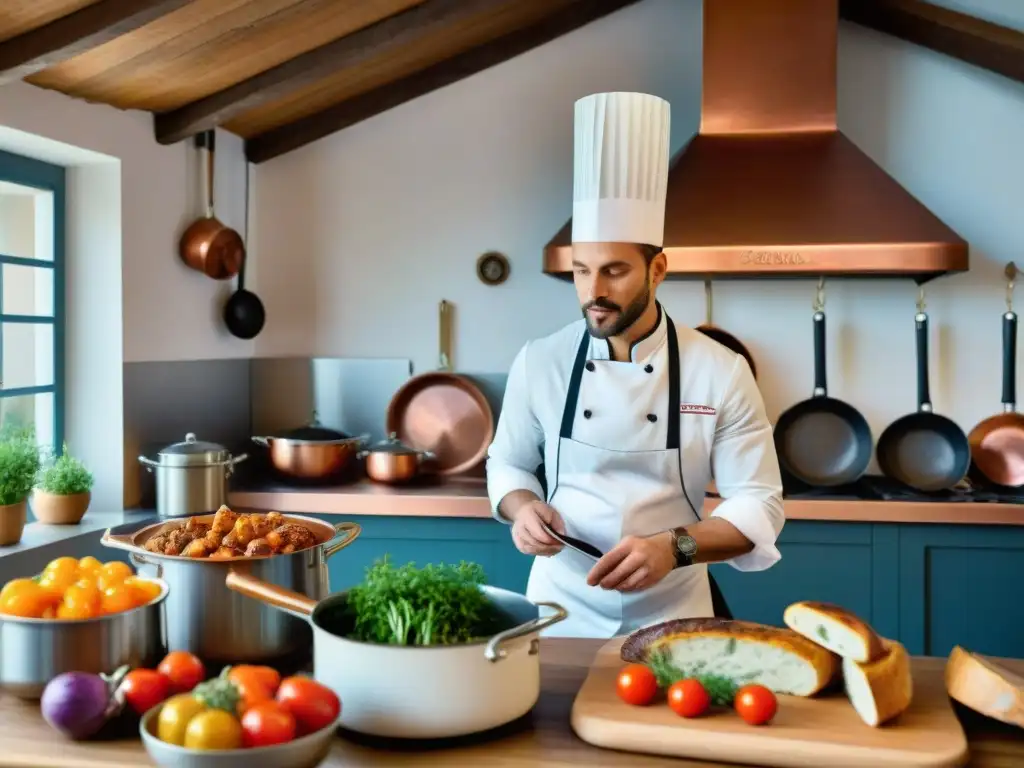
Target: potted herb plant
x=19, y=465
x=63, y=491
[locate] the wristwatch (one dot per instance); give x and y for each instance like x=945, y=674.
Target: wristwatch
x=684, y=547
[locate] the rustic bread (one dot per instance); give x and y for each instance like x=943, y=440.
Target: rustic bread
x=741, y=651
x=835, y=628
x=985, y=686
x=881, y=689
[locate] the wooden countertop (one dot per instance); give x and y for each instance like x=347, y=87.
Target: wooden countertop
x=543, y=738
x=466, y=497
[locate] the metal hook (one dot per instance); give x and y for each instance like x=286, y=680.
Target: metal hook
x=921, y=304
x=1011, y=281
x=819, y=296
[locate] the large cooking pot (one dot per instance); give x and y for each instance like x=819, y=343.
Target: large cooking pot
x=312, y=452
x=220, y=626
x=34, y=651
x=192, y=477
x=393, y=691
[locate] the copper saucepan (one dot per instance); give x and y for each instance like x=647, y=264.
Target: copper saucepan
x=208, y=245
x=312, y=452
x=722, y=336
x=392, y=461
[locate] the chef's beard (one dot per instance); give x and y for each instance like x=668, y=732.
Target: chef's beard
x=626, y=317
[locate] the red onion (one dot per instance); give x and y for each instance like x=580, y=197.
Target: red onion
x=79, y=704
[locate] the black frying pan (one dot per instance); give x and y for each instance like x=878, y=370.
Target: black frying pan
x=823, y=441
x=924, y=450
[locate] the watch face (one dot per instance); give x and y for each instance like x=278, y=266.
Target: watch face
x=686, y=545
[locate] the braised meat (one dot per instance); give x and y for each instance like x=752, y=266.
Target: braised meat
x=233, y=535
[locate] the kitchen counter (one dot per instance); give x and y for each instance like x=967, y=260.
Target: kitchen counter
x=466, y=497
x=543, y=738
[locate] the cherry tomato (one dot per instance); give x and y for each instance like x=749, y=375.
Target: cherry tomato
x=251, y=690
x=184, y=670
x=688, y=698
x=269, y=677
x=267, y=723
x=144, y=689
x=756, y=704
x=636, y=685
x=314, y=706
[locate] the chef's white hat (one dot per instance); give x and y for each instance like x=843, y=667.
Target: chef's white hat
x=620, y=169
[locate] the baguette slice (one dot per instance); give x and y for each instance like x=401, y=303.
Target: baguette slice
x=740, y=651
x=985, y=686
x=881, y=689
x=835, y=628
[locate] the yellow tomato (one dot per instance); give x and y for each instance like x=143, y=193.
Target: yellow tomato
x=119, y=598
x=27, y=600
x=14, y=585
x=213, y=729
x=114, y=572
x=62, y=564
x=81, y=600
x=89, y=565
x=56, y=582
x=174, y=717
x=146, y=590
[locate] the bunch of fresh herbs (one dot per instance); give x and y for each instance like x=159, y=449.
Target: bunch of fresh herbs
x=65, y=476
x=437, y=604
x=19, y=465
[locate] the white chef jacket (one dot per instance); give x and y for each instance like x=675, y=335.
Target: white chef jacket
x=725, y=432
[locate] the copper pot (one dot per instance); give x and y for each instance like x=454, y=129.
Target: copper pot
x=208, y=245
x=392, y=461
x=312, y=452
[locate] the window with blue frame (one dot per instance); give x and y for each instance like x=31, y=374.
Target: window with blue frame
x=32, y=298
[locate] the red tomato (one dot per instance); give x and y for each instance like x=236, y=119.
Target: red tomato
x=267, y=723
x=688, y=698
x=636, y=685
x=184, y=670
x=313, y=705
x=144, y=689
x=756, y=704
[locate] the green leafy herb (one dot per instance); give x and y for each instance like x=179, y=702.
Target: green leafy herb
x=65, y=476
x=722, y=690
x=19, y=464
x=219, y=692
x=432, y=605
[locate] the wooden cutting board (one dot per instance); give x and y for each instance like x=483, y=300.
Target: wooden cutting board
x=806, y=732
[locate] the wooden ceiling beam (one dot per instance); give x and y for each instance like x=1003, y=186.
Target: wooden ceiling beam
x=309, y=68
x=286, y=138
x=975, y=41
x=76, y=33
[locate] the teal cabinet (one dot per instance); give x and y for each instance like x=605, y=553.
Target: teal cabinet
x=929, y=586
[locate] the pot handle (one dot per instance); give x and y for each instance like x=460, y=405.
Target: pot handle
x=138, y=561
x=271, y=594
x=264, y=441
x=118, y=541
x=148, y=463
x=494, y=650
x=348, y=533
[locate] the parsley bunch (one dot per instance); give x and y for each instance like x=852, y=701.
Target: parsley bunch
x=65, y=476
x=433, y=605
x=19, y=463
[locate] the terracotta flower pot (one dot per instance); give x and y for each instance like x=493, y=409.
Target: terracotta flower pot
x=12, y=522
x=54, y=509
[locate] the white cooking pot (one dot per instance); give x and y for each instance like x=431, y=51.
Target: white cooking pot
x=422, y=692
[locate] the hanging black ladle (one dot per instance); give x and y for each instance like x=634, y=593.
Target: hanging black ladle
x=244, y=314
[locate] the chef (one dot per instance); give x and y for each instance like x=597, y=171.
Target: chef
x=630, y=414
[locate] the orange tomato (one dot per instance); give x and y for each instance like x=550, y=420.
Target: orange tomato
x=62, y=564
x=81, y=600
x=119, y=598
x=183, y=669
x=146, y=590
x=75, y=611
x=254, y=685
x=59, y=575
x=114, y=572
x=268, y=677
x=26, y=599
x=89, y=565
x=14, y=585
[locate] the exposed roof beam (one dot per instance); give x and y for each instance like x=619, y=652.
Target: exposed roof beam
x=975, y=41
x=76, y=33
x=286, y=138
x=391, y=33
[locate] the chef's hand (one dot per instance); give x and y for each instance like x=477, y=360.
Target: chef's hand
x=528, y=532
x=635, y=563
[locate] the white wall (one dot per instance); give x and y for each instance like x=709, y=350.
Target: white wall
x=129, y=298
x=395, y=211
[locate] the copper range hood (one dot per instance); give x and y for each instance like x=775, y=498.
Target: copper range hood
x=769, y=186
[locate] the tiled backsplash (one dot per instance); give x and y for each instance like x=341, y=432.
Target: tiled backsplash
x=228, y=401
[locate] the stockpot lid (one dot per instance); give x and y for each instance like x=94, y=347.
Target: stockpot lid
x=193, y=453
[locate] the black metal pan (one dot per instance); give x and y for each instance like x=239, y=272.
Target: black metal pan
x=822, y=441
x=924, y=450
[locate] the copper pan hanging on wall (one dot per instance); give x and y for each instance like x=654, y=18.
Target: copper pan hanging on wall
x=208, y=245
x=443, y=413
x=722, y=336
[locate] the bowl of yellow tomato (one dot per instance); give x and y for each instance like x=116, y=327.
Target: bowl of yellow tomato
x=78, y=615
x=248, y=717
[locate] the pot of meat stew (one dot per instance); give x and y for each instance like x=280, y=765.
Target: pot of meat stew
x=395, y=690
x=193, y=555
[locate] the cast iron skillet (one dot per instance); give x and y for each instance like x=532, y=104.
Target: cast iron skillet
x=823, y=441
x=924, y=450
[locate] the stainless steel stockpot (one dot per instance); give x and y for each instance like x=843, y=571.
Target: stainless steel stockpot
x=221, y=626
x=191, y=476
